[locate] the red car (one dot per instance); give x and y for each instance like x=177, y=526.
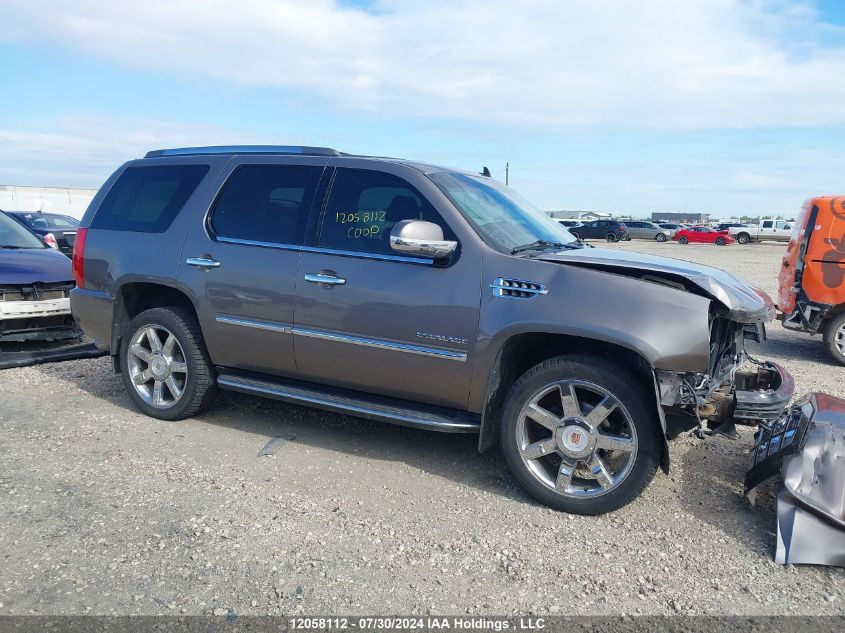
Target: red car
x=705, y=235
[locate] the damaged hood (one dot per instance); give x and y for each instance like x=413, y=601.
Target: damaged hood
x=744, y=302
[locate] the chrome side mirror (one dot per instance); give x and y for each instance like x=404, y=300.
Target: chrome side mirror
x=420, y=239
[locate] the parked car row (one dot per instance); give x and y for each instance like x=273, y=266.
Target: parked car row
x=616, y=230
x=35, y=285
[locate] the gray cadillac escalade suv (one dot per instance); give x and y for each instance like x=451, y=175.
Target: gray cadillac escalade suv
x=418, y=295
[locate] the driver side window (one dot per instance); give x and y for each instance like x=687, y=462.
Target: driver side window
x=363, y=207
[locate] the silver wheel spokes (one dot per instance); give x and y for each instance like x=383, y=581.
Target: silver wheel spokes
x=157, y=366
x=576, y=438
x=839, y=339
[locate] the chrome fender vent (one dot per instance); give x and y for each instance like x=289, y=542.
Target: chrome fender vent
x=503, y=287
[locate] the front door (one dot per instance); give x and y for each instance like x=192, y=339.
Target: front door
x=371, y=320
x=242, y=261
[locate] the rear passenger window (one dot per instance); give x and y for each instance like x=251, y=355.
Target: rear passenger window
x=147, y=199
x=265, y=203
x=364, y=206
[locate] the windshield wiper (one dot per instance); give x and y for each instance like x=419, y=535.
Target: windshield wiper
x=541, y=244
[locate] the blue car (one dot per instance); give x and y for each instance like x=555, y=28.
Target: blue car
x=35, y=284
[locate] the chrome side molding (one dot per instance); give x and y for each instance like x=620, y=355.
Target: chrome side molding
x=259, y=325
x=284, y=328
x=436, y=352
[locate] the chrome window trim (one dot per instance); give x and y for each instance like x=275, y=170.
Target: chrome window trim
x=325, y=251
x=237, y=240
x=259, y=325
x=366, y=255
x=435, y=352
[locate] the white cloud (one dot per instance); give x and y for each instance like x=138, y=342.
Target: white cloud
x=84, y=151
x=652, y=63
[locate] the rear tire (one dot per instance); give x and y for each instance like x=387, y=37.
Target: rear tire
x=834, y=337
x=743, y=238
x=537, y=447
x=721, y=241
x=683, y=240
x=611, y=237
x=165, y=365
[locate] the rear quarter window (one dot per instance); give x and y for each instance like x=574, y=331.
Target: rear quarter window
x=147, y=199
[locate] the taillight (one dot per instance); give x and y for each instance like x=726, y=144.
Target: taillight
x=50, y=240
x=79, y=257
x=620, y=228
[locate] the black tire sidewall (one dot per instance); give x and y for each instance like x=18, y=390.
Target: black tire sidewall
x=623, y=386
x=610, y=237
x=721, y=241
x=683, y=239
x=661, y=237
x=164, y=317
x=743, y=239
x=830, y=328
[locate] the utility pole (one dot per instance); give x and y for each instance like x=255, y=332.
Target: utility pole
x=507, y=172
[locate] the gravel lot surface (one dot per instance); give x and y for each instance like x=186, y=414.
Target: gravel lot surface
x=105, y=511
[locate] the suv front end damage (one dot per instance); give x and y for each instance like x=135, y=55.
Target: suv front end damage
x=737, y=388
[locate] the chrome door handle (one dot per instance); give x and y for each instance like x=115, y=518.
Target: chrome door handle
x=202, y=262
x=323, y=278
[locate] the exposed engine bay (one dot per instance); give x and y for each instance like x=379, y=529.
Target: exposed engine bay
x=736, y=389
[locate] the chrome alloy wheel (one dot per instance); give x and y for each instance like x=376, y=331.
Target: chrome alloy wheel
x=576, y=438
x=839, y=339
x=157, y=366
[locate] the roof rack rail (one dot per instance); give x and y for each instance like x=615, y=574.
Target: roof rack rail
x=244, y=149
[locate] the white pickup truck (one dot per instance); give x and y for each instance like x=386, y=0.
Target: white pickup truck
x=774, y=230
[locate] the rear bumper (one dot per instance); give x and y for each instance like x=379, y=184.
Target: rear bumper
x=93, y=311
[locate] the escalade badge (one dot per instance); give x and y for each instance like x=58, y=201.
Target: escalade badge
x=442, y=338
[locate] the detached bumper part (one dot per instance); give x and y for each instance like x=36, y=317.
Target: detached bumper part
x=807, y=445
x=762, y=394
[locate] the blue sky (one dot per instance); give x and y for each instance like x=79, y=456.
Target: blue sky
x=722, y=106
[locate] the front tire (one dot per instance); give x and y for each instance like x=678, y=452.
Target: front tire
x=721, y=241
x=661, y=237
x=834, y=337
x=165, y=365
x=579, y=435
x=683, y=240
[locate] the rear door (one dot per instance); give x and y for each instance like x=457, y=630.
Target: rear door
x=767, y=230
x=372, y=320
x=824, y=274
x=241, y=261
x=783, y=231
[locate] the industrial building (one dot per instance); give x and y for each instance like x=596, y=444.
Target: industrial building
x=64, y=200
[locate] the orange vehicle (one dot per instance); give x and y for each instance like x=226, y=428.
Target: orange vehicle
x=812, y=277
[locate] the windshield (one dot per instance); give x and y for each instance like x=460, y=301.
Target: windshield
x=13, y=234
x=503, y=218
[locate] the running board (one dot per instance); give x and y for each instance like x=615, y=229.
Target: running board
x=354, y=403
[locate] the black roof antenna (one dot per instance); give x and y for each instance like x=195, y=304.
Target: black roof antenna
x=486, y=172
